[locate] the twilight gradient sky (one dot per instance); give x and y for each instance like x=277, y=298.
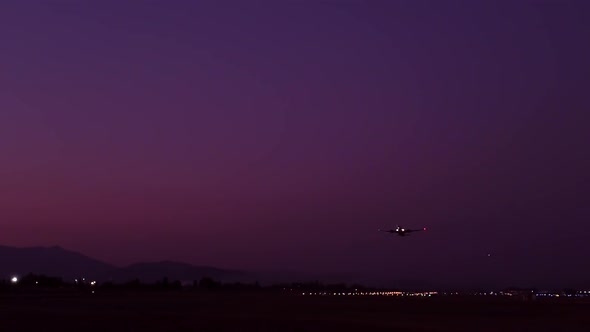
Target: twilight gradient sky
x=282, y=134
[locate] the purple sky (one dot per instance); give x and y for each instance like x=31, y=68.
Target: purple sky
x=282, y=134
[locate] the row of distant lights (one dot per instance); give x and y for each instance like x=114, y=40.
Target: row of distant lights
x=578, y=294
x=492, y=294
x=14, y=280
x=92, y=283
x=371, y=294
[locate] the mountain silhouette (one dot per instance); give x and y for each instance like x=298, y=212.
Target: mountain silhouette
x=69, y=265
x=51, y=261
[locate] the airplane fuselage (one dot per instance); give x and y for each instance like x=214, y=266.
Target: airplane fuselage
x=402, y=231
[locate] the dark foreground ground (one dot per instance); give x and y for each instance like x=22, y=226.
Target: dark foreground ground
x=182, y=311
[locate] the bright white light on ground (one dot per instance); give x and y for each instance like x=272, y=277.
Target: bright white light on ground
x=14, y=280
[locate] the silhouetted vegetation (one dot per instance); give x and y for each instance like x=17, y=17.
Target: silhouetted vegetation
x=41, y=281
x=208, y=284
x=316, y=286
x=204, y=284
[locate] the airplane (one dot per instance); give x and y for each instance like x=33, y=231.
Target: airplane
x=402, y=231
